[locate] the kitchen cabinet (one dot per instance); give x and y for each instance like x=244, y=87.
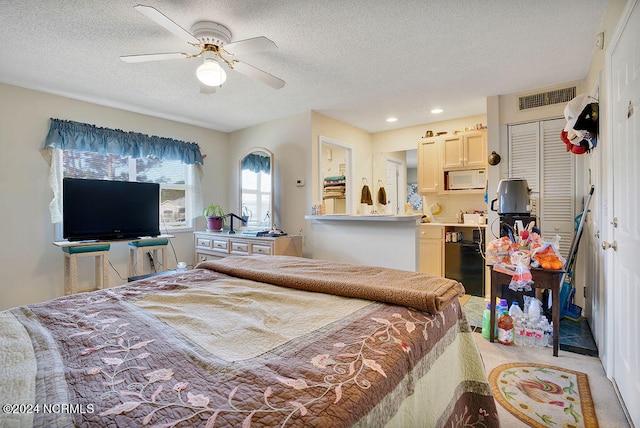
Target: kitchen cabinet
x=429, y=171
x=432, y=249
x=465, y=150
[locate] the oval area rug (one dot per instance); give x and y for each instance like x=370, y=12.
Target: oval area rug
x=544, y=396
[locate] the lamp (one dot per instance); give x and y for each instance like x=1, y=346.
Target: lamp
x=232, y=216
x=210, y=73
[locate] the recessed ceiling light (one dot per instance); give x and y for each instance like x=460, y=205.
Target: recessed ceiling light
x=436, y=111
x=392, y=119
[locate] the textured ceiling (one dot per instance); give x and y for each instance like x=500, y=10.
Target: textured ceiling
x=356, y=61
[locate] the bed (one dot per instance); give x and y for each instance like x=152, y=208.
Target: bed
x=260, y=341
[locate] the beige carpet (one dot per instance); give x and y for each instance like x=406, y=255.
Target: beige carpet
x=607, y=407
x=544, y=396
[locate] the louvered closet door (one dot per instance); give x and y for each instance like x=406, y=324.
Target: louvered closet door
x=524, y=157
x=557, y=185
x=537, y=154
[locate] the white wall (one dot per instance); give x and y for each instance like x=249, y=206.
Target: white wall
x=289, y=140
x=31, y=268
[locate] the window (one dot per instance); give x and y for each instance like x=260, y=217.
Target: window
x=256, y=196
x=173, y=176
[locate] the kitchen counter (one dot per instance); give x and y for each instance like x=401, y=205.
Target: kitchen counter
x=371, y=217
x=453, y=224
x=375, y=240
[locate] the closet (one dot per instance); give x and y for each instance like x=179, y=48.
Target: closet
x=537, y=154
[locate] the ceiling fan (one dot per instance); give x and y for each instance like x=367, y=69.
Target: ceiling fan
x=214, y=42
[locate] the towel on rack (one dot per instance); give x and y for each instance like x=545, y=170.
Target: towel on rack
x=382, y=196
x=365, y=198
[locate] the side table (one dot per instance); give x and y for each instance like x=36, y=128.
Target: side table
x=542, y=278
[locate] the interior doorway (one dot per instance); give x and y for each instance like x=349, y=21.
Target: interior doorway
x=395, y=179
x=335, y=175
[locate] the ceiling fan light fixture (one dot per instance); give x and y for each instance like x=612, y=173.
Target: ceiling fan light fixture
x=210, y=73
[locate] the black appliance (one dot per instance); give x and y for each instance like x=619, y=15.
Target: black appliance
x=463, y=262
x=109, y=210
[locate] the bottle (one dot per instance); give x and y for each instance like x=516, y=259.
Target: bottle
x=534, y=311
x=539, y=335
x=486, y=321
x=529, y=333
x=460, y=217
x=546, y=333
x=515, y=310
x=517, y=328
x=499, y=308
x=503, y=305
x=505, y=328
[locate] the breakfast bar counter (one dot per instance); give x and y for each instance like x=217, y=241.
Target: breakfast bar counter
x=375, y=240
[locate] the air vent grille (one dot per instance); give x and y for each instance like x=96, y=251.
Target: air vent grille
x=547, y=98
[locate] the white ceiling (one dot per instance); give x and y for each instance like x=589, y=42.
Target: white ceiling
x=358, y=61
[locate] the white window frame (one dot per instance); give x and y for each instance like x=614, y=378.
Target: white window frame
x=191, y=188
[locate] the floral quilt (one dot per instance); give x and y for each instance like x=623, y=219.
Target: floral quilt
x=201, y=348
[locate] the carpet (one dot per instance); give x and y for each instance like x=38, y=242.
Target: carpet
x=544, y=396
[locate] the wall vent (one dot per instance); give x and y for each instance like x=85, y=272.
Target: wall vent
x=547, y=98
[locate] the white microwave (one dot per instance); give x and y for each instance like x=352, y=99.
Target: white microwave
x=467, y=179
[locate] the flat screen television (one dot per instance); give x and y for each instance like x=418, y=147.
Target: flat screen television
x=109, y=210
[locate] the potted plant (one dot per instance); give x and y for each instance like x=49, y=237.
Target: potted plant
x=214, y=214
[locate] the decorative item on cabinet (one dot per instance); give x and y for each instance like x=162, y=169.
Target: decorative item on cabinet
x=215, y=216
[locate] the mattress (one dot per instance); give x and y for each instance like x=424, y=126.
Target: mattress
x=248, y=341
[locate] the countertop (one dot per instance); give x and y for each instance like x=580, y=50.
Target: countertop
x=371, y=217
x=452, y=224
x=387, y=218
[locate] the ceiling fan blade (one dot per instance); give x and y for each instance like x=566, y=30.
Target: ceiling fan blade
x=162, y=20
x=153, y=57
x=256, y=44
x=263, y=76
x=205, y=89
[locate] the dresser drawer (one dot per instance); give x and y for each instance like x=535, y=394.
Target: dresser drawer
x=203, y=243
x=261, y=249
x=221, y=245
x=239, y=247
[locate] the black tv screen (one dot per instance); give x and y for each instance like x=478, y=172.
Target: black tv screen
x=109, y=210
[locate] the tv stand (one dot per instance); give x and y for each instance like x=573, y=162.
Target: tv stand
x=100, y=250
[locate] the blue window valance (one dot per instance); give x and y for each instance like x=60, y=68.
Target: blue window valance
x=257, y=163
x=69, y=135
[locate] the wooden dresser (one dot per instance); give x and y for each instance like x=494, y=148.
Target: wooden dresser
x=216, y=245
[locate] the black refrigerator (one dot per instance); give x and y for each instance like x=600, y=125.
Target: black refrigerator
x=463, y=262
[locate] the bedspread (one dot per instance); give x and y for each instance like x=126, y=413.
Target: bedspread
x=203, y=348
